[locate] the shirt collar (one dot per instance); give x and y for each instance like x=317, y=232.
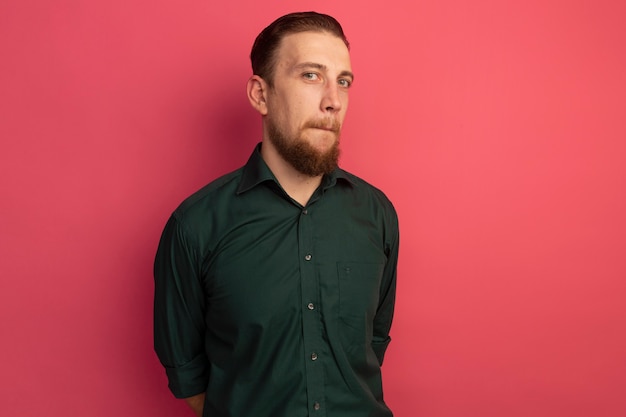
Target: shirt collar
x=256, y=171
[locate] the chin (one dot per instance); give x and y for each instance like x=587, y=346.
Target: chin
x=323, y=141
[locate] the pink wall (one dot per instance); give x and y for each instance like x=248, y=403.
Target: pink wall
x=498, y=129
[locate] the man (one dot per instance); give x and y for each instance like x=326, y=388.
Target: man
x=275, y=284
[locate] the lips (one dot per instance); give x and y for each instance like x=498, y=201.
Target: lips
x=330, y=126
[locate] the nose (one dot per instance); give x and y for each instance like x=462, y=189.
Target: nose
x=330, y=101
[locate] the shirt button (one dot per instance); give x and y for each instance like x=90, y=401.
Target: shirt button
x=305, y=211
x=311, y=306
x=313, y=356
x=316, y=406
x=308, y=257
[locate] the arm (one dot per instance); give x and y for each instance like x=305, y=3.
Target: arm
x=387, y=299
x=179, y=303
x=196, y=403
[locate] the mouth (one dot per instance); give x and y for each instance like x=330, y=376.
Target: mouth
x=326, y=126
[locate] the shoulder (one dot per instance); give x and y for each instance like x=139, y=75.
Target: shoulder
x=372, y=204
x=366, y=190
x=200, y=203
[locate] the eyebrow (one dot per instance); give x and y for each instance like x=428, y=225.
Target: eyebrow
x=321, y=67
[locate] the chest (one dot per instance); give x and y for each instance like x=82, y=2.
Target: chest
x=265, y=267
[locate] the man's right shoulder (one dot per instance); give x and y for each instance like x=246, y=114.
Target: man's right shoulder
x=224, y=187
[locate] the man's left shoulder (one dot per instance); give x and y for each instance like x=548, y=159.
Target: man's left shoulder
x=365, y=189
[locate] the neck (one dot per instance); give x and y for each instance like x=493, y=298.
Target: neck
x=298, y=186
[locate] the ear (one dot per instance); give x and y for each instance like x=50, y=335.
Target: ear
x=257, y=93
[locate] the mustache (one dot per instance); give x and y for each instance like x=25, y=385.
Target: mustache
x=327, y=124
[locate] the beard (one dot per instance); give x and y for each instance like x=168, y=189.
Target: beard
x=300, y=154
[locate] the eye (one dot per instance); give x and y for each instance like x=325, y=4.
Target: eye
x=344, y=82
x=310, y=76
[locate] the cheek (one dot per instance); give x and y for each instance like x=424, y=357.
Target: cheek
x=344, y=97
x=344, y=109
x=286, y=122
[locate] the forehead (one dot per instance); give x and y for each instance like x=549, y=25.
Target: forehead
x=319, y=47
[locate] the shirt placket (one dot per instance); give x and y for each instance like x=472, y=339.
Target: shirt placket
x=311, y=317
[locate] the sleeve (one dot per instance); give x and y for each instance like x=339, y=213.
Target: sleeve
x=179, y=306
x=386, y=304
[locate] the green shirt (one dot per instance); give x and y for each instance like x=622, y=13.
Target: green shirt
x=274, y=309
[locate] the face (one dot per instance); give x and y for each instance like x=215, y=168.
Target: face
x=307, y=103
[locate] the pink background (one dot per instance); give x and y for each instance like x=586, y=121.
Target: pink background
x=497, y=128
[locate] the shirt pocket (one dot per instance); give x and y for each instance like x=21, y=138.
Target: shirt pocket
x=359, y=292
